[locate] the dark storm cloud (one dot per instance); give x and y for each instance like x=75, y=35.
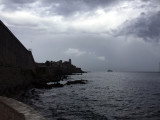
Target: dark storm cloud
x=62, y=7
x=146, y=26
x=13, y=5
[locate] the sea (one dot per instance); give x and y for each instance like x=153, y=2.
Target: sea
x=106, y=96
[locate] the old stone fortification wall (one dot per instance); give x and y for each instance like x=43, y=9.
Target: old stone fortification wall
x=12, y=52
x=11, y=109
x=13, y=79
x=15, y=60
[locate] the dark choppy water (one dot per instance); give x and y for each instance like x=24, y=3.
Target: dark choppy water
x=107, y=95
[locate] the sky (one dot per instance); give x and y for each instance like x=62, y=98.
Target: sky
x=122, y=35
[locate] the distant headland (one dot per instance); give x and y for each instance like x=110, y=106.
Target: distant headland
x=18, y=70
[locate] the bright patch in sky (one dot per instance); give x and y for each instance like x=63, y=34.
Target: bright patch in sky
x=73, y=51
x=102, y=58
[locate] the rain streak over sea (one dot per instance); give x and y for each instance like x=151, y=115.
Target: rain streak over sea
x=106, y=96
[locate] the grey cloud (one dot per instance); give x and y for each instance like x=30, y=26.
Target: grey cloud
x=62, y=7
x=18, y=1
x=69, y=7
x=12, y=5
x=151, y=1
x=119, y=54
x=147, y=27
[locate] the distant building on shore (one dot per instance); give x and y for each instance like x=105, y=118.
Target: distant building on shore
x=66, y=67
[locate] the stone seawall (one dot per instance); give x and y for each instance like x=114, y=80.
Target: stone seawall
x=11, y=109
x=12, y=51
x=16, y=62
x=14, y=79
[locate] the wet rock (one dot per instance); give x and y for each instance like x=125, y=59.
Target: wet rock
x=62, y=119
x=57, y=85
x=46, y=86
x=76, y=82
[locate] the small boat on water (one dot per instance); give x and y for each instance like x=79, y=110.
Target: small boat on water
x=109, y=70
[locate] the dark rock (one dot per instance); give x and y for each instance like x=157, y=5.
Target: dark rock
x=62, y=119
x=76, y=82
x=46, y=86
x=57, y=85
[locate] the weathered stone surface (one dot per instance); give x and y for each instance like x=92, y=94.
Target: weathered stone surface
x=16, y=62
x=12, y=52
x=11, y=109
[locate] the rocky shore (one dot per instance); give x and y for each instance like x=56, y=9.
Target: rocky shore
x=19, y=71
x=47, y=72
x=52, y=71
x=55, y=85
